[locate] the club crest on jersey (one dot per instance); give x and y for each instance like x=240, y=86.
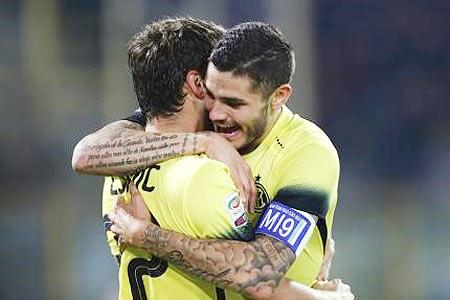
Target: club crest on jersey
x=236, y=210
x=262, y=197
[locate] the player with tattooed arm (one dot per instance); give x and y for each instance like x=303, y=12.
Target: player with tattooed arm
x=295, y=164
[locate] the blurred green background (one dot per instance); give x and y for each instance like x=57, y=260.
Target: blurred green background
x=374, y=74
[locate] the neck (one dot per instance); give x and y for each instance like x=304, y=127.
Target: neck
x=170, y=124
x=272, y=120
x=186, y=120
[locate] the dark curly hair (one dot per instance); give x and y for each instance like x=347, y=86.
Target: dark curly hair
x=161, y=55
x=257, y=50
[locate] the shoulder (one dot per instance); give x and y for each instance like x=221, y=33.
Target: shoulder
x=302, y=139
x=197, y=167
x=211, y=201
x=212, y=175
x=309, y=158
x=195, y=174
x=301, y=133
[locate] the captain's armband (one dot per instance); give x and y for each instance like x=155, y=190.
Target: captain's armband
x=288, y=225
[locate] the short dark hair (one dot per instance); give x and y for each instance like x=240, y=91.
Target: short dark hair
x=257, y=50
x=161, y=55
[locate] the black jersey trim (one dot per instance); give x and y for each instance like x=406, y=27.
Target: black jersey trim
x=220, y=294
x=137, y=117
x=310, y=201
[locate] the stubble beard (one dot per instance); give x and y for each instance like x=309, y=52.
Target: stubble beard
x=257, y=131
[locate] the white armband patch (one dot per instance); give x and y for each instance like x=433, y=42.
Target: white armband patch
x=290, y=226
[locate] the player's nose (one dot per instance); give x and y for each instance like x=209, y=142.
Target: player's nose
x=217, y=112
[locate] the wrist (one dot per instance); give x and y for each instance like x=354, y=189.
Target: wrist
x=149, y=238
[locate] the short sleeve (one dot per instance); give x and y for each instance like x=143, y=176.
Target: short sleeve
x=213, y=204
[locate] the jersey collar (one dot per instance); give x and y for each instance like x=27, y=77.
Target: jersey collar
x=280, y=125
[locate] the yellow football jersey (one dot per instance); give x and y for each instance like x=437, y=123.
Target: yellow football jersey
x=295, y=165
x=193, y=195
x=298, y=166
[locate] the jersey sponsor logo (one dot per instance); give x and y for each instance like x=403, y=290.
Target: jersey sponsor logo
x=236, y=210
x=262, y=197
x=290, y=226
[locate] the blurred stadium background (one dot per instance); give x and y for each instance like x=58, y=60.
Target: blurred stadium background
x=374, y=74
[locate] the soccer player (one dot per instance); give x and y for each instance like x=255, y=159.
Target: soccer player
x=183, y=178
x=169, y=57
x=295, y=164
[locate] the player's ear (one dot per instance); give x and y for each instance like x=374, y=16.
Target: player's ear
x=194, y=83
x=280, y=96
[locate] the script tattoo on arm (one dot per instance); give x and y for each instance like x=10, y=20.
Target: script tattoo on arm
x=123, y=147
x=253, y=269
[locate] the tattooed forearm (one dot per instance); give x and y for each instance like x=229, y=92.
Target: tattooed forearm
x=123, y=147
x=251, y=268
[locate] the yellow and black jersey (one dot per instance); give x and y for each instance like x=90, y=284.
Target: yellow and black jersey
x=193, y=195
x=296, y=166
x=296, y=169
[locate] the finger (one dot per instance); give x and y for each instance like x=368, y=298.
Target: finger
x=120, y=203
x=344, y=287
x=252, y=191
x=325, y=273
x=122, y=239
x=243, y=199
x=247, y=184
x=347, y=296
x=246, y=192
x=122, y=247
x=318, y=285
x=116, y=229
x=330, y=248
x=325, y=285
x=136, y=198
x=239, y=183
x=347, y=288
x=134, y=190
x=112, y=217
x=120, y=216
x=332, y=244
x=322, y=276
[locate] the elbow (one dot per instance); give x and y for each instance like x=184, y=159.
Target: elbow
x=264, y=290
x=79, y=159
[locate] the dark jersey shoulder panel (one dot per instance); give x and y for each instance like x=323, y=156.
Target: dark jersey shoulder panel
x=137, y=117
x=308, y=200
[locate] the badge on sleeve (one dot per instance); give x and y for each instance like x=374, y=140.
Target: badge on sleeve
x=290, y=226
x=236, y=210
